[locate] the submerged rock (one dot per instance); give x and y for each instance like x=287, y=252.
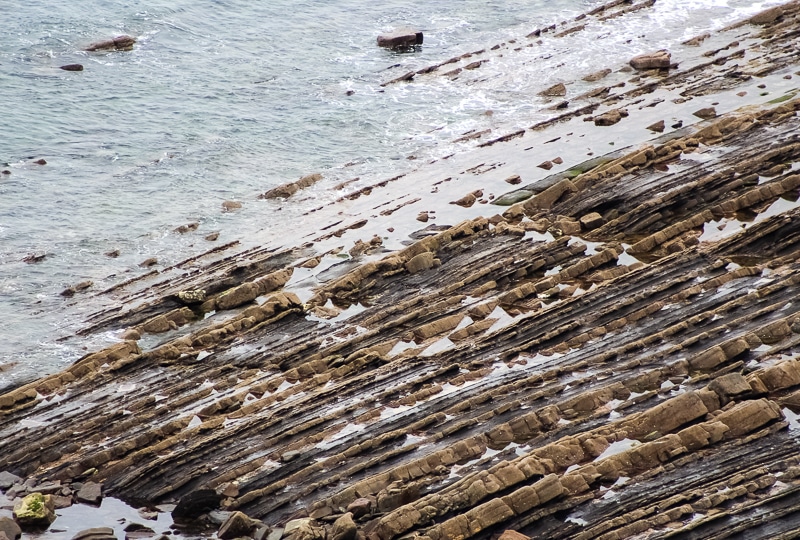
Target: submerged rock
x=119, y=43
x=72, y=67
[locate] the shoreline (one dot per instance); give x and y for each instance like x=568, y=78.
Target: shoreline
x=460, y=368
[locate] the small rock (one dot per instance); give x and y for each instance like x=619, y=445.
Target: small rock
x=706, y=113
x=608, y=118
x=10, y=528
x=40, y=161
x=657, y=60
x=35, y=510
x=147, y=263
x=697, y=40
x=678, y=124
x=237, y=524
x=423, y=217
x=597, y=75
x=212, y=237
x=90, y=493
x=8, y=479
x=591, y=221
x=360, y=507
x=114, y=253
x=72, y=67
x=513, y=180
x=291, y=455
x=557, y=90
x=658, y=127
x=96, y=533
x=229, y=206
x=119, y=43
x=558, y=161
x=344, y=528
x=546, y=165
x=402, y=38
x=5, y=171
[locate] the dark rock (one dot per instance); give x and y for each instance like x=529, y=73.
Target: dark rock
x=119, y=43
x=657, y=60
x=706, y=113
x=96, y=533
x=147, y=263
x=514, y=180
x=360, y=507
x=72, y=67
x=402, y=78
x=90, y=493
x=5, y=171
x=34, y=258
x=344, y=528
x=237, y=524
x=8, y=479
x=658, y=127
x=546, y=165
x=114, y=253
x=134, y=531
x=41, y=161
x=195, y=504
x=403, y=38
x=189, y=227
x=10, y=528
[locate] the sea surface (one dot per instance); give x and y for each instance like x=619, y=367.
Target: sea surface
x=221, y=100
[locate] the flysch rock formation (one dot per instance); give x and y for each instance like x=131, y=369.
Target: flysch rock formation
x=609, y=351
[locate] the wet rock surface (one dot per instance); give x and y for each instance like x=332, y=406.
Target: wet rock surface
x=609, y=351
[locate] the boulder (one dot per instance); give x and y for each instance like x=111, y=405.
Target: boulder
x=72, y=67
x=344, y=528
x=119, y=43
x=193, y=505
x=237, y=525
x=35, y=510
x=360, y=507
x=657, y=60
x=402, y=38
x=10, y=528
x=90, y=493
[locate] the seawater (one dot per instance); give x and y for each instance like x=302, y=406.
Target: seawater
x=223, y=100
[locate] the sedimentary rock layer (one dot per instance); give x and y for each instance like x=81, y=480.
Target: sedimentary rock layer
x=609, y=351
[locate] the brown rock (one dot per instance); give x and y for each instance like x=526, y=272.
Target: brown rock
x=749, y=416
x=513, y=535
x=344, y=528
x=189, y=227
x=147, y=263
x=402, y=38
x=119, y=43
x=420, y=262
x=229, y=206
x=591, y=221
x=360, y=507
x=287, y=190
x=513, y=180
x=657, y=60
x=597, y=75
x=237, y=525
x=10, y=528
x=557, y=90
x=706, y=113
x=96, y=533
x=423, y=217
x=658, y=127
x=246, y=292
x=212, y=237
x=41, y=161
x=114, y=253
x=730, y=386
x=558, y=161
x=767, y=16
x=609, y=118
x=546, y=165
x=72, y=67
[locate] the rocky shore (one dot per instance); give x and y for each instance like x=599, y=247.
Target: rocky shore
x=525, y=339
